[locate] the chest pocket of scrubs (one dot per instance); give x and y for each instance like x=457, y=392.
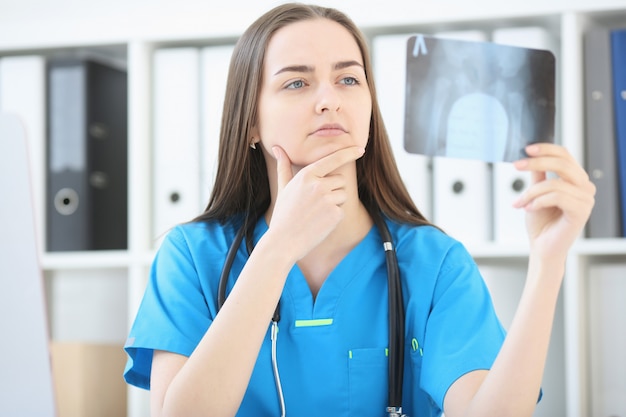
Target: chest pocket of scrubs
x=368, y=381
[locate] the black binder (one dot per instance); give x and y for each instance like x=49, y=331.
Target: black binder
x=600, y=137
x=87, y=156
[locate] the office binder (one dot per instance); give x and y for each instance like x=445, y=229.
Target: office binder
x=461, y=199
x=87, y=171
x=176, y=169
x=389, y=66
x=215, y=61
x=509, y=223
x=606, y=339
x=508, y=184
x=26, y=385
x=618, y=59
x=23, y=93
x=600, y=142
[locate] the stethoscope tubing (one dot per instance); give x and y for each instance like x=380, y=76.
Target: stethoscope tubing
x=396, y=317
x=396, y=313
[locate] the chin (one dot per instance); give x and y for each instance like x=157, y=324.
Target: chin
x=321, y=150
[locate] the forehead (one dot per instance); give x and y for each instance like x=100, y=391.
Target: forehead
x=311, y=42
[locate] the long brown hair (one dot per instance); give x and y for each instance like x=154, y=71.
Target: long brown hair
x=241, y=184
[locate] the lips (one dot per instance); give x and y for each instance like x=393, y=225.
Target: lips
x=329, y=129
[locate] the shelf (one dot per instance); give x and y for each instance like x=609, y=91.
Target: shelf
x=85, y=260
x=86, y=287
x=53, y=26
x=493, y=251
x=601, y=247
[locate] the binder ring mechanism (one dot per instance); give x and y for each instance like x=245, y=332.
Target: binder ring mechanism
x=66, y=201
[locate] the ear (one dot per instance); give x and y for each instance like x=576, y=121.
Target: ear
x=254, y=136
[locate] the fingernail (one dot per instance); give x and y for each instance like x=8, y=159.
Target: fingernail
x=275, y=152
x=532, y=149
x=522, y=163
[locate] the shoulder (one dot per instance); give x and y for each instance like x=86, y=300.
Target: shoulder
x=201, y=237
x=426, y=241
x=199, y=230
x=432, y=259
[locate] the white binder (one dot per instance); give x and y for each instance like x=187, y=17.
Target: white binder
x=22, y=92
x=461, y=187
x=461, y=199
x=389, y=61
x=508, y=184
x=176, y=179
x=607, y=339
x=509, y=223
x=215, y=61
x=535, y=37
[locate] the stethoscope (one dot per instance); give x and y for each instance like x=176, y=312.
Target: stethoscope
x=396, y=316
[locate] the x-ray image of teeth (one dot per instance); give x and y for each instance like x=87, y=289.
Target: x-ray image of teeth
x=477, y=100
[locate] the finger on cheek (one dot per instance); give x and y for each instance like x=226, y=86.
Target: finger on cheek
x=276, y=152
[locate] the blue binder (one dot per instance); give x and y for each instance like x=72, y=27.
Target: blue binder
x=618, y=58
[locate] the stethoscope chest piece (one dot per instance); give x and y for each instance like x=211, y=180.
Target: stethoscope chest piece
x=395, y=412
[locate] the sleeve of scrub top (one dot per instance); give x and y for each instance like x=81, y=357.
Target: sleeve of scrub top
x=173, y=315
x=463, y=333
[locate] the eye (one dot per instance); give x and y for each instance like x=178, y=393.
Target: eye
x=295, y=85
x=350, y=81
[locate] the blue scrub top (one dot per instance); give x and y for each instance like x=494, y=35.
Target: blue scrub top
x=332, y=351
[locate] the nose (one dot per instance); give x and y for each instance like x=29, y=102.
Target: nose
x=328, y=99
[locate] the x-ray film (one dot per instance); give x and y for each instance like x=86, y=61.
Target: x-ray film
x=477, y=100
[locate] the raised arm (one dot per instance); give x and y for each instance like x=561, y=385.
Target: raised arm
x=213, y=380
x=557, y=210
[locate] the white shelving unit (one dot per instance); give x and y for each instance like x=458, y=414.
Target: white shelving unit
x=94, y=296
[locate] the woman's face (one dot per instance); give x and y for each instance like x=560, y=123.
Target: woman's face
x=314, y=98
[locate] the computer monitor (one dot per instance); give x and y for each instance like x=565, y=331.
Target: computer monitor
x=26, y=384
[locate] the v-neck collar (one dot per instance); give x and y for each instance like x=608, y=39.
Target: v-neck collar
x=297, y=292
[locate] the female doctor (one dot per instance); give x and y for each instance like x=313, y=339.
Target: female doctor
x=306, y=171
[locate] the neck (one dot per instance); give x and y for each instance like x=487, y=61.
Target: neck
x=324, y=258
x=356, y=223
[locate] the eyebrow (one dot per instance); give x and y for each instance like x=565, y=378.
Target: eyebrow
x=307, y=68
